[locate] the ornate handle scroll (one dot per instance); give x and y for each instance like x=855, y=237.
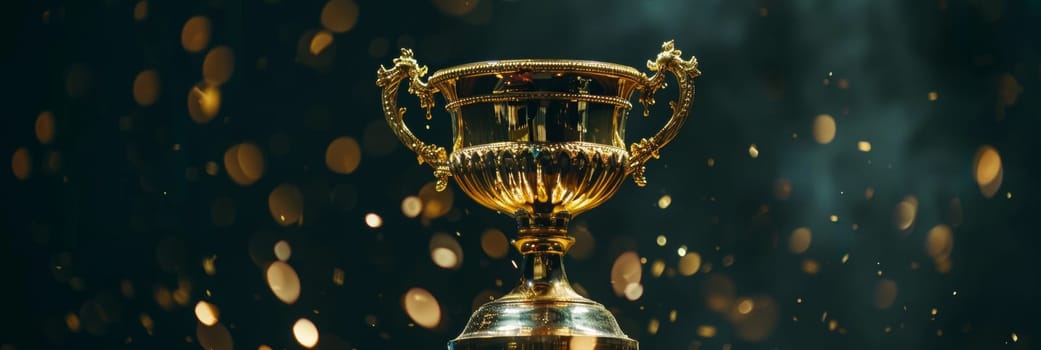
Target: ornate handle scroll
x=404, y=67
x=669, y=60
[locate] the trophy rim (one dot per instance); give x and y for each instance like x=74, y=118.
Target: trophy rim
x=535, y=64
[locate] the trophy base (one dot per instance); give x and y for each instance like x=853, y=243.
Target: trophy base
x=548, y=342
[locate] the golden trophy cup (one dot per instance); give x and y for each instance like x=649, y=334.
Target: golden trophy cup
x=542, y=140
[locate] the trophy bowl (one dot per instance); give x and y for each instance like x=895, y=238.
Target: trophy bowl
x=541, y=140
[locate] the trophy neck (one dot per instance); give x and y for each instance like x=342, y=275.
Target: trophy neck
x=543, y=232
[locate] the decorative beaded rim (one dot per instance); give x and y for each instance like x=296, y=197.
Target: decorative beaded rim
x=522, y=96
x=539, y=65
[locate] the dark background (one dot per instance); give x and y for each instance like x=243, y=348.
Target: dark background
x=119, y=209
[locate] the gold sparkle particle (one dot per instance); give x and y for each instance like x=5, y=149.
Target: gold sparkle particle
x=905, y=213
x=864, y=146
x=141, y=11
x=494, y=243
x=782, y=189
x=885, y=294
x=343, y=155
x=625, y=271
x=218, y=66
x=422, y=308
x=833, y=218
x=657, y=268
x=989, y=171
x=411, y=206
x=689, y=264
x=73, y=322
x=206, y=313
x=933, y=96
x=753, y=151
x=305, y=332
x=373, y=220
x=824, y=129
x=745, y=306
x=682, y=250
x=320, y=41
x=810, y=266
x=203, y=103
x=45, y=127
x=338, y=276
x=672, y=316
x=661, y=240
x=1015, y=337
x=845, y=258
x=286, y=204
x=939, y=242
x=833, y=325
x=652, y=326
x=339, y=15
x=445, y=251
x=283, y=281
x=21, y=163
x=800, y=240
x=934, y=311
x=711, y=162
x=209, y=265
x=869, y=193
x=706, y=331
x=664, y=201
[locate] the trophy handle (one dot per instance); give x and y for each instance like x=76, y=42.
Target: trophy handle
x=389, y=79
x=669, y=60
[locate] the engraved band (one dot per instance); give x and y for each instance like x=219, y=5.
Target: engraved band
x=560, y=66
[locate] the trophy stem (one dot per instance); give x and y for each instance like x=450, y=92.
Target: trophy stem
x=542, y=312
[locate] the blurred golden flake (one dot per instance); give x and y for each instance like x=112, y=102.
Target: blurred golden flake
x=206, y=313
x=661, y=240
x=933, y=96
x=343, y=155
x=885, y=294
x=203, y=103
x=282, y=250
x=127, y=288
x=146, y=87
x=72, y=321
x=753, y=151
x=411, y=206
x=493, y=242
x=869, y=193
x=339, y=15
x=286, y=204
x=657, y=268
x=719, y=292
x=21, y=163
x=373, y=220
x=146, y=322
x=711, y=162
x=163, y=298
x=800, y=240
x=211, y=168
x=435, y=204
x=833, y=218
x=824, y=129
x=216, y=337
x=664, y=201
x=633, y=291
x=810, y=266
x=44, y=127
x=843, y=84
x=905, y=213
x=727, y=260
x=652, y=326
x=218, y=65
x=445, y=251
x=988, y=170
x=209, y=265
x=672, y=316
x=585, y=244
x=864, y=146
x=283, y=281
x=745, y=306
x=625, y=271
x=141, y=10
x=1015, y=337
x=321, y=41
x=422, y=307
x=682, y=250
x=939, y=242
x=195, y=35
x=706, y=331
x=833, y=325
x=845, y=258
x=338, y=276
